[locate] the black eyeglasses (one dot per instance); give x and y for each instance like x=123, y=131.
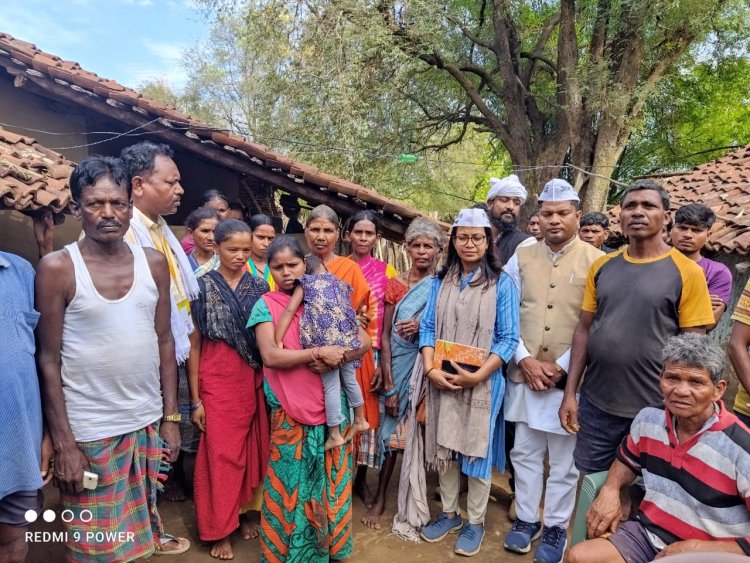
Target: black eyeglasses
x=463, y=240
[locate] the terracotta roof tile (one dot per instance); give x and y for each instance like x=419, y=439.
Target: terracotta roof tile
x=32, y=177
x=724, y=186
x=15, y=53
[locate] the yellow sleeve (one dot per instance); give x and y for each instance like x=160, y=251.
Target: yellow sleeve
x=390, y=271
x=742, y=310
x=590, y=304
x=695, y=302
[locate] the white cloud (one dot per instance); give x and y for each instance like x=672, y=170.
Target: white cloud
x=41, y=27
x=166, y=51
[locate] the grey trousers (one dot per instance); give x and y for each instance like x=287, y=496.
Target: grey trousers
x=332, y=382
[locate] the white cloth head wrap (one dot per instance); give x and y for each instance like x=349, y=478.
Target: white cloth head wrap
x=510, y=186
x=472, y=218
x=558, y=190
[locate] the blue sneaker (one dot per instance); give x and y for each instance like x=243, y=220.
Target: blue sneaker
x=521, y=535
x=552, y=546
x=440, y=526
x=469, y=540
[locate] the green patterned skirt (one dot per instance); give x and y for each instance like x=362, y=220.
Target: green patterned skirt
x=307, y=499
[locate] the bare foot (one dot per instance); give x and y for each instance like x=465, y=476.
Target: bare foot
x=222, y=549
x=174, y=492
x=334, y=441
x=363, y=491
x=358, y=427
x=250, y=525
x=371, y=519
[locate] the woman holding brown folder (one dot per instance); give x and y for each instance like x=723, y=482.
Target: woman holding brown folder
x=469, y=330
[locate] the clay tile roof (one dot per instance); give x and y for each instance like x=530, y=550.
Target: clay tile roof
x=724, y=186
x=32, y=177
x=22, y=58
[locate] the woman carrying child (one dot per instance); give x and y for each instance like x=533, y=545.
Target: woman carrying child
x=226, y=392
x=307, y=493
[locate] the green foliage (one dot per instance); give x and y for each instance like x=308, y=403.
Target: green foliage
x=301, y=79
x=696, y=115
x=475, y=87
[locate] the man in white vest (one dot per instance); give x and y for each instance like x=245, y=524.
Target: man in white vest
x=551, y=277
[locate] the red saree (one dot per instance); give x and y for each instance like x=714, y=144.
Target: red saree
x=233, y=452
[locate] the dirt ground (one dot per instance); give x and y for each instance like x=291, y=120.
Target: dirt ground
x=369, y=545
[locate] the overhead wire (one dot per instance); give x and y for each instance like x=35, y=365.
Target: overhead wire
x=320, y=148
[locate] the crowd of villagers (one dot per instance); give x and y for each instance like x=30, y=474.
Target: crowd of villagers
x=309, y=446
x=318, y=442
x=303, y=368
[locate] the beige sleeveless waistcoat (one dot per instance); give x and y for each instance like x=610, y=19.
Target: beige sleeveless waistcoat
x=551, y=298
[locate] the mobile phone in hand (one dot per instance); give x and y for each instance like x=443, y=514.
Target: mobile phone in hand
x=90, y=480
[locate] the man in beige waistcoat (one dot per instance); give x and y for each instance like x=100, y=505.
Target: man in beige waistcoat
x=551, y=277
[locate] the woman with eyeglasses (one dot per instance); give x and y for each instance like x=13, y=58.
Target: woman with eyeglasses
x=473, y=304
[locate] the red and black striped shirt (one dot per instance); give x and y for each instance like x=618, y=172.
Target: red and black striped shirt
x=698, y=489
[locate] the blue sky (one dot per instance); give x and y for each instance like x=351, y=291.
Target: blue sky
x=129, y=41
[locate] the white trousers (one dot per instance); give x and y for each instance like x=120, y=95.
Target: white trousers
x=528, y=464
x=476, y=499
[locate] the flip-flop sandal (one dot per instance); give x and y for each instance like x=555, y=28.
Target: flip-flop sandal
x=183, y=544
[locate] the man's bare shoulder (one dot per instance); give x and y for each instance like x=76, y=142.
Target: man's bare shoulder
x=157, y=264
x=56, y=263
x=154, y=257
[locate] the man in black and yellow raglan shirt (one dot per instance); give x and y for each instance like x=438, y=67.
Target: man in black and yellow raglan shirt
x=634, y=300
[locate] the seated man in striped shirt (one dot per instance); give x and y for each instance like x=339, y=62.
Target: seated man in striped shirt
x=694, y=457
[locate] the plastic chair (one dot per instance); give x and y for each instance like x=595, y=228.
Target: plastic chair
x=590, y=486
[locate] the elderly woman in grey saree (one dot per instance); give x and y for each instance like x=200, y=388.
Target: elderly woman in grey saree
x=405, y=300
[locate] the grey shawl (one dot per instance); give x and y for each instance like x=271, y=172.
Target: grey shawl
x=413, y=510
x=459, y=421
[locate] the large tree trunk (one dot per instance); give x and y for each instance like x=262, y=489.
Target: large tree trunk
x=595, y=191
x=534, y=172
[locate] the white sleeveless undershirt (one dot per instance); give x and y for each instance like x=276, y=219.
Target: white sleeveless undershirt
x=110, y=355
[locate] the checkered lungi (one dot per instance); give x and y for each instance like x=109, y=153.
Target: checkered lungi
x=118, y=521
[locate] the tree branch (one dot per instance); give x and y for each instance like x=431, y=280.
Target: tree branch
x=536, y=57
x=452, y=69
x=485, y=75
x=680, y=44
x=536, y=53
x=470, y=35
x=567, y=115
x=445, y=145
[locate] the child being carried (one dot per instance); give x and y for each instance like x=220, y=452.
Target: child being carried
x=328, y=319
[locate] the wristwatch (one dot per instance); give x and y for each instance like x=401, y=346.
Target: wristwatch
x=177, y=417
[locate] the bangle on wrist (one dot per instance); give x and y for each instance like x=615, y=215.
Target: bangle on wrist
x=194, y=407
x=390, y=393
x=428, y=371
